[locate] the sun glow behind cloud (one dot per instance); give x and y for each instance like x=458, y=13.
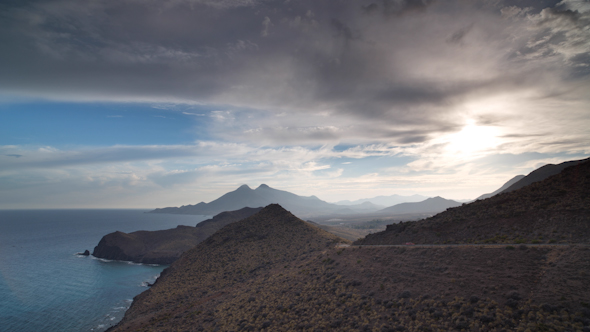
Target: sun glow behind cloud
x=472, y=141
x=314, y=97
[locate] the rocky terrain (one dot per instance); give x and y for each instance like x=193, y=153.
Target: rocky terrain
x=165, y=246
x=528, y=270
x=542, y=173
x=555, y=210
x=274, y=272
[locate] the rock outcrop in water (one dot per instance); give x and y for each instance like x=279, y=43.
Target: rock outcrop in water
x=165, y=246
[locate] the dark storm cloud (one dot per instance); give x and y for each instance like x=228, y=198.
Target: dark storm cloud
x=400, y=7
x=460, y=34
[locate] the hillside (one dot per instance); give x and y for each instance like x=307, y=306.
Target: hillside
x=240, y=252
x=503, y=187
x=429, y=205
x=244, y=196
x=165, y=246
x=274, y=272
x=542, y=173
x=554, y=210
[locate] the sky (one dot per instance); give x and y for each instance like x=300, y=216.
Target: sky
x=152, y=103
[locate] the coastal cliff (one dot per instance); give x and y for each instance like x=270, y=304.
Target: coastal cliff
x=165, y=246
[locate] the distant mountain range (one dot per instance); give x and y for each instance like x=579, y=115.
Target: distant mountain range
x=430, y=205
x=306, y=206
x=264, y=195
x=384, y=201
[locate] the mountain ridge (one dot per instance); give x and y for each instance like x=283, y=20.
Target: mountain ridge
x=542, y=173
x=502, y=188
x=244, y=196
x=556, y=209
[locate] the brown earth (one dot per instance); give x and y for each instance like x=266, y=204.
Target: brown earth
x=274, y=272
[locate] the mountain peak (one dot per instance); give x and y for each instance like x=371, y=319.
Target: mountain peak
x=244, y=187
x=274, y=208
x=263, y=186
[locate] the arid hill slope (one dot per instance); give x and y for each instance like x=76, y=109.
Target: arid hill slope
x=555, y=210
x=542, y=173
x=240, y=251
x=165, y=246
x=274, y=272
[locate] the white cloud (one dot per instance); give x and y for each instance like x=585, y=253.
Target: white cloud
x=285, y=84
x=266, y=23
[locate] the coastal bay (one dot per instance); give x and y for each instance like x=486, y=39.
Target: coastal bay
x=46, y=286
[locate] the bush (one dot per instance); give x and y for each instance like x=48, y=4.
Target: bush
x=405, y=295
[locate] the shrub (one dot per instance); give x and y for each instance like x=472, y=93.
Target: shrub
x=405, y=294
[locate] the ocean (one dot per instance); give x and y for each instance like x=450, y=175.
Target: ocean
x=45, y=286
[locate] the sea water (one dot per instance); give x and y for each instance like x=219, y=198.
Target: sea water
x=45, y=286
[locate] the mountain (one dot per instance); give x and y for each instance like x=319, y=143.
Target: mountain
x=542, y=173
x=244, y=196
x=553, y=210
x=504, y=187
x=274, y=272
x=429, y=205
x=165, y=246
x=229, y=260
x=385, y=200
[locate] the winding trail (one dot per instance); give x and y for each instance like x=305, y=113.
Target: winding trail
x=496, y=245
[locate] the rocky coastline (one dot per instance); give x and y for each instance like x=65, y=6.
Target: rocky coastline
x=165, y=246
